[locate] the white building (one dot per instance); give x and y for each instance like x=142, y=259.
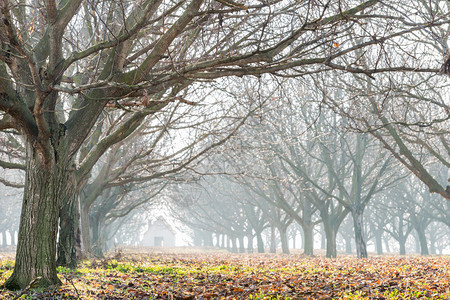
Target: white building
x=159, y=234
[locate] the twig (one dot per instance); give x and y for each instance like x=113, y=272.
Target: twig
x=71, y=282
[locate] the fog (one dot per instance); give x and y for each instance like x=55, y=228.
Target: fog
x=293, y=179
x=313, y=127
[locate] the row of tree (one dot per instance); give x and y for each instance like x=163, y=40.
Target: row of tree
x=100, y=97
x=301, y=165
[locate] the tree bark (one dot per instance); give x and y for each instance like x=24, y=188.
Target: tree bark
x=47, y=183
x=68, y=232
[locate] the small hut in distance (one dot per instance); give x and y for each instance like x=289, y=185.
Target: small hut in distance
x=159, y=234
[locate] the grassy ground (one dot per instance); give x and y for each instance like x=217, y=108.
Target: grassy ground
x=220, y=275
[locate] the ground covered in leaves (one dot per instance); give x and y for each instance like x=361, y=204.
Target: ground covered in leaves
x=233, y=276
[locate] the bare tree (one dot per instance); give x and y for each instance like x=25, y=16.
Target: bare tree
x=65, y=62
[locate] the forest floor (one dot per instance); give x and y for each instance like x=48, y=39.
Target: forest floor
x=221, y=275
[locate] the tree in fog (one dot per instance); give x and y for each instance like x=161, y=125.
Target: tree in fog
x=268, y=177
x=377, y=219
x=398, y=226
x=215, y=205
x=408, y=112
x=64, y=62
x=335, y=170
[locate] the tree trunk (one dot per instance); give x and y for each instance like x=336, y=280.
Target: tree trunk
x=433, y=244
x=330, y=234
x=222, y=241
x=308, y=240
x=402, y=243
x=250, y=243
x=284, y=240
x=97, y=241
x=348, y=245
x=422, y=240
x=68, y=231
x=361, y=250
x=294, y=236
x=273, y=244
x=241, y=244
x=234, y=248
x=260, y=242
x=208, y=239
x=386, y=245
x=47, y=182
x=4, y=242
x=323, y=235
x=379, y=241
x=85, y=230
x=13, y=237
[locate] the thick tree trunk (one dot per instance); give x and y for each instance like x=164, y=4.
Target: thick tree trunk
x=361, y=250
x=46, y=184
x=308, y=240
x=68, y=233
